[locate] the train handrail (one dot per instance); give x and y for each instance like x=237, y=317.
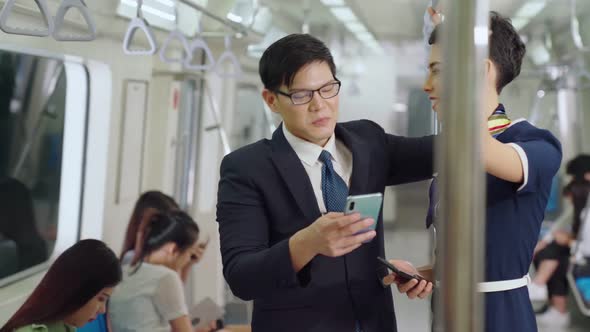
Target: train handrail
x=60, y=19
x=139, y=23
x=43, y=9
x=217, y=119
x=228, y=55
x=199, y=44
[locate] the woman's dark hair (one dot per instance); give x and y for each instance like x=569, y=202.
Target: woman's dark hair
x=578, y=190
x=148, y=203
x=507, y=49
x=579, y=166
x=77, y=276
x=161, y=228
x=285, y=57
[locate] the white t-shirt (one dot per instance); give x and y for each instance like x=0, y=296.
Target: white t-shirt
x=147, y=300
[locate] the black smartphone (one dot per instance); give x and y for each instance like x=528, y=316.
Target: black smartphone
x=404, y=276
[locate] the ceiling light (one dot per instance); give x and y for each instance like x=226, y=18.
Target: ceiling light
x=519, y=23
x=263, y=20
x=168, y=3
x=538, y=52
x=527, y=12
x=531, y=8
x=332, y=3
x=355, y=27
x=235, y=18
x=364, y=36
x=344, y=14
x=151, y=10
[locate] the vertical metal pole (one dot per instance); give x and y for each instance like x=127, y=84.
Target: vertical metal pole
x=567, y=110
x=306, y=16
x=186, y=134
x=461, y=263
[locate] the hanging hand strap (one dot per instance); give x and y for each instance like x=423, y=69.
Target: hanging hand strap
x=7, y=11
x=199, y=44
x=60, y=18
x=228, y=55
x=187, y=54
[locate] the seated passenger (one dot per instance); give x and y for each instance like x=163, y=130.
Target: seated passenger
x=17, y=224
x=149, y=201
x=151, y=296
x=552, y=260
x=74, y=291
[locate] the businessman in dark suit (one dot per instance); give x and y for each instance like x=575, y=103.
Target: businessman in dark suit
x=285, y=242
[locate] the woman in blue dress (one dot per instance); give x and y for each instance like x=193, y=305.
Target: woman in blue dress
x=520, y=161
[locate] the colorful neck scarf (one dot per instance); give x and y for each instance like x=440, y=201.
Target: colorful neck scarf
x=498, y=122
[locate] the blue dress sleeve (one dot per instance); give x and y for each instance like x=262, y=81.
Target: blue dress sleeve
x=541, y=158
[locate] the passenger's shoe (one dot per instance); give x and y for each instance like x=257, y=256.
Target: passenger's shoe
x=553, y=318
x=537, y=292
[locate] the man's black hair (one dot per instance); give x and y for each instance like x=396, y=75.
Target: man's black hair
x=506, y=48
x=285, y=57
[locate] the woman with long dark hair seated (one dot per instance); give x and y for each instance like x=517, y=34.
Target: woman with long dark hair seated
x=148, y=203
x=74, y=291
x=151, y=296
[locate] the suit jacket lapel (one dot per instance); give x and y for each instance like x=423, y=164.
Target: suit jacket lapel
x=361, y=155
x=294, y=175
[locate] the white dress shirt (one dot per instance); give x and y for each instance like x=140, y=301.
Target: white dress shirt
x=309, y=154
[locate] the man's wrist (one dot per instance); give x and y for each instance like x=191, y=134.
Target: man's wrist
x=302, y=252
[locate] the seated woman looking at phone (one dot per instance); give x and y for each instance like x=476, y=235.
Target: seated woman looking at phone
x=74, y=291
x=151, y=296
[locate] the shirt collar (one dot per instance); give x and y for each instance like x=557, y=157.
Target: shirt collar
x=309, y=152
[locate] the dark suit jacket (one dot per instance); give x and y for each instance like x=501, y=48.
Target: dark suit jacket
x=265, y=196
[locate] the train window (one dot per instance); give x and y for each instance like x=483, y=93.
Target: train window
x=33, y=101
x=251, y=121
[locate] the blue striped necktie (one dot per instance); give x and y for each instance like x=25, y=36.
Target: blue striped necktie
x=334, y=189
x=334, y=192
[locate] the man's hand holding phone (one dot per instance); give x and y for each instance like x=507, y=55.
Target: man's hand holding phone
x=333, y=234
x=336, y=234
x=407, y=279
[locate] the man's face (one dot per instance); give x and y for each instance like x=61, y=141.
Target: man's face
x=314, y=121
x=433, y=84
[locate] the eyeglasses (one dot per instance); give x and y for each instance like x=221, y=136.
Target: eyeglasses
x=302, y=97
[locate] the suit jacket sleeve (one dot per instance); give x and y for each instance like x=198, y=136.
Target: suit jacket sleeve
x=410, y=158
x=252, y=267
